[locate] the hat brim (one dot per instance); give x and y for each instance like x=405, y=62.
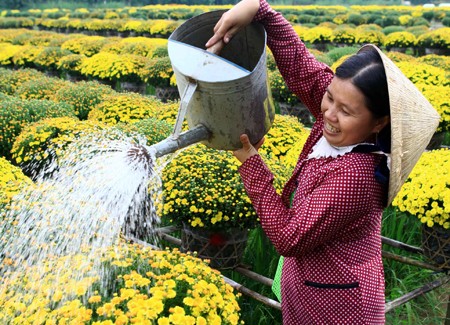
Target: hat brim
x=413, y=123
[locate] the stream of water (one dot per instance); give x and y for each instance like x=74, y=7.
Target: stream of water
x=97, y=192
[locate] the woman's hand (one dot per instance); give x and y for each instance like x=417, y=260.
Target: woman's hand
x=247, y=150
x=230, y=23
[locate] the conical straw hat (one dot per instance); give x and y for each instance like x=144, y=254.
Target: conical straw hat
x=413, y=123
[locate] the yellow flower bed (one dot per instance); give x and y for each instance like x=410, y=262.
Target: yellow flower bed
x=50, y=56
x=424, y=73
x=202, y=187
x=112, y=66
x=400, y=39
x=169, y=114
x=146, y=287
x=371, y=37
x=439, y=97
x=71, y=63
x=438, y=38
x=317, y=34
x=439, y=61
x=286, y=132
x=88, y=45
x=131, y=25
x=7, y=52
x=12, y=181
x=26, y=56
x=136, y=45
x=426, y=193
x=40, y=144
x=125, y=107
x=40, y=88
x=345, y=35
x=10, y=80
x=400, y=57
x=153, y=129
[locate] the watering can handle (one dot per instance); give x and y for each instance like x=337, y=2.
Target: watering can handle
x=185, y=100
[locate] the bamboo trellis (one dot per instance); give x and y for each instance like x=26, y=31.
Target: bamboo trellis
x=443, y=279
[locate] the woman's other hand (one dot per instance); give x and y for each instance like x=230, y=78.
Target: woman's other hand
x=230, y=23
x=248, y=150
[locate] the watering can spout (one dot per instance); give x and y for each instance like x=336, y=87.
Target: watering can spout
x=184, y=139
x=145, y=154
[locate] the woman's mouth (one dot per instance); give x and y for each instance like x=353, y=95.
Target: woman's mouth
x=331, y=128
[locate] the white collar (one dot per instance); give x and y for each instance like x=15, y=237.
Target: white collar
x=323, y=149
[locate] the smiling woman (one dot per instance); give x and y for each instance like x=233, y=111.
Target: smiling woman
x=347, y=119
x=327, y=222
x=365, y=95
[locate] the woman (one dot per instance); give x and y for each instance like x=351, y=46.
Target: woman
x=330, y=233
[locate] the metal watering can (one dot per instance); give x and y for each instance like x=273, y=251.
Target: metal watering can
x=222, y=96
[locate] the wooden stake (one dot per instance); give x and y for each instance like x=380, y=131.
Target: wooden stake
x=415, y=293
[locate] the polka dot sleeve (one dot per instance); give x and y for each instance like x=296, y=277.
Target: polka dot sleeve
x=304, y=75
x=325, y=203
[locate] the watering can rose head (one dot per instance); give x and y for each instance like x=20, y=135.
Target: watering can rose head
x=139, y=154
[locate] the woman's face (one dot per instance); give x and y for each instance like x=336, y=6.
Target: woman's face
x=347, y=120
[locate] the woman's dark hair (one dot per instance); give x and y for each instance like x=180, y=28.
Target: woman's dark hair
x=366, y=71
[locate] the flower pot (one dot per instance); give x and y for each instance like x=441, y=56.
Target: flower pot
x=166, y=93
x=437, y=51
x=398, y=49
x=224, y=248
x=436, y=245
x=135, y=87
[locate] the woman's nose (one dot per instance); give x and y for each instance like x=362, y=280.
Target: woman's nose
x=330, y=113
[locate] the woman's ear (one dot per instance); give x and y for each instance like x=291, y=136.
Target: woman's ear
x=381, y=123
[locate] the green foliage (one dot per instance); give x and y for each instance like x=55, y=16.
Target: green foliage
x=417, y=30
x=15, y=113
x=446, y=21
x=262, y=256
x=40, y=144
x=153, y=129
x=71, y=63
x=339, y=52
x=420, y=22
x=49, y=57
x=392, y=29
x=158, y=72
x=280, y=91
x=356, y=19
x=402, y=278
x=83, y=96
x=11, y=80
x=40, y=88
x=19, y=22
